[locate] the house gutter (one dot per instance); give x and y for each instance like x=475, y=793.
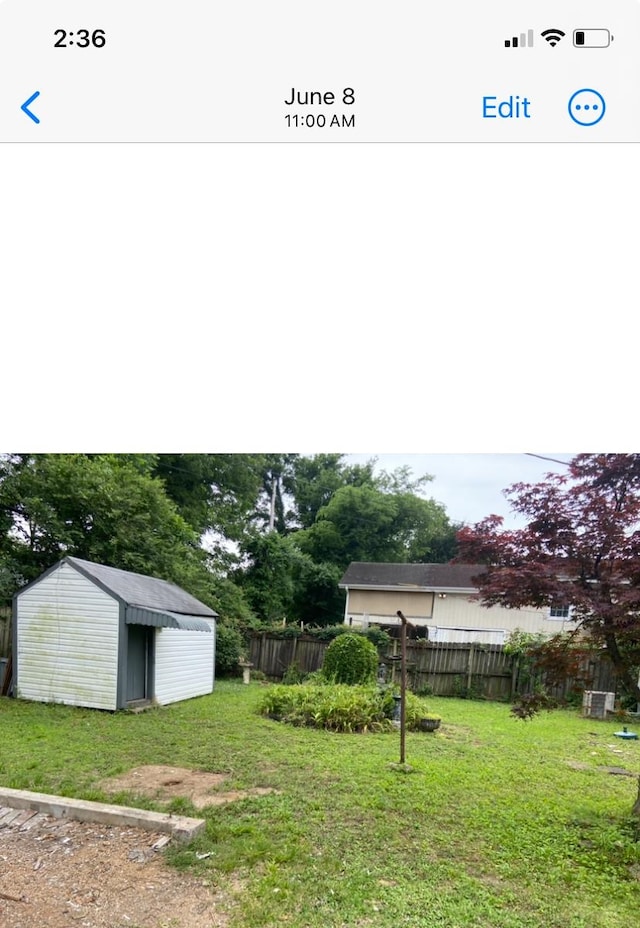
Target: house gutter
x=408, y=589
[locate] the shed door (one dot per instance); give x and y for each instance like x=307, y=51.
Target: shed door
x=138, y=662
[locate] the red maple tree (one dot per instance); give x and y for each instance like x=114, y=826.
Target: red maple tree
x=580, y=548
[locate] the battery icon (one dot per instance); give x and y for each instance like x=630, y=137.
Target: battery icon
x=592, y=38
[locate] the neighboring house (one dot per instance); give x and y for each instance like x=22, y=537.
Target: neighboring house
x=438, y=598
x=89, y=635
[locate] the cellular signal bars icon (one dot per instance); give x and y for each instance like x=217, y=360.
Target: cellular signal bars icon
x=524, y=40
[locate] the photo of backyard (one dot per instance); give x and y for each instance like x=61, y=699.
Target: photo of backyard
x=243, y=690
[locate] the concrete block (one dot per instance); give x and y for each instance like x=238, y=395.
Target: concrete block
x=80, y=810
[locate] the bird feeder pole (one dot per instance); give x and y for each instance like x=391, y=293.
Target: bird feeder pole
x=403, y=681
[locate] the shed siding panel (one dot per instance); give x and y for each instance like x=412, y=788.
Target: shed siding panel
x=184, y=664
x=67, y=649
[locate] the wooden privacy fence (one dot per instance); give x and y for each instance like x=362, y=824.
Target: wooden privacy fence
x=441, y=668
x=5, y=631
x=273, y=656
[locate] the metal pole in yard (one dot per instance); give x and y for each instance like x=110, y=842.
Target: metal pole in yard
x=403, y=681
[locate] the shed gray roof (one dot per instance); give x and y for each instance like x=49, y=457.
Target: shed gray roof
x=367, y=575
x=143, y=591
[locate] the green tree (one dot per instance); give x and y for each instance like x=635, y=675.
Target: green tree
x=227, y=597
x=282, y=583
x=370, y=524
x=105, y=508
x=348, y=514
x=213, y=492
x=268, y=575
x=313, y=481
x=317, y=599
x=273, y=511
x=579, y=549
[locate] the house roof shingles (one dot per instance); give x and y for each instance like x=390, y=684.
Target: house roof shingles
x=143, y=591
x=408, y=576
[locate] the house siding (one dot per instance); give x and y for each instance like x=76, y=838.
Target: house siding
x=454, y=617
x=458, y=610
x=184, y=664
x=67, y=641
x=385, y=603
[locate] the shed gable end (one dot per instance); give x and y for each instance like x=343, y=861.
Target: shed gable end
x=67, y=631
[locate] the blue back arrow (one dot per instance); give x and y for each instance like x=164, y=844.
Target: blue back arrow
x=27, y=103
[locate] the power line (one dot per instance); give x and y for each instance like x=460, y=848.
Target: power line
x=543, y=458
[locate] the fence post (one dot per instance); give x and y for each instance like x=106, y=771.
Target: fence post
x=515, y=667
x=5, y=632
x=470, y=667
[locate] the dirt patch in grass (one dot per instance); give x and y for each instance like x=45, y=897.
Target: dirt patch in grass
x=164, y=783
x=615, y=771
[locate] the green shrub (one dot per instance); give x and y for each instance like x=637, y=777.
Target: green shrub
x=414, y=710
x=374, y=634
x=340, y=707
x=277, y=701
x=316, y=678
x=424, y=690
x=350, y=659
x=463, y=689
x=293, y=675
x=229, y=648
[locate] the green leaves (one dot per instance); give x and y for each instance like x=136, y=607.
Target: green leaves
x=229, y=647
x=260, y=537
x=369, y=523
x=332, y=707
x=350, y=659
x=580, y=549
x=213, y=492
x=105, y=508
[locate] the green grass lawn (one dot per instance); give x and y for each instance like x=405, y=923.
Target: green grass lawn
x=492, y=828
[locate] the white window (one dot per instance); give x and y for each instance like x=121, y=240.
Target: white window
x=560, y=612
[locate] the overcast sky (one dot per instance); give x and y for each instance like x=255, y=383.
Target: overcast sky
x=470, y=485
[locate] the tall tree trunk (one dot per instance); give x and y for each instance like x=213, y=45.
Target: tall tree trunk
x=636, y=806
x=272, y=509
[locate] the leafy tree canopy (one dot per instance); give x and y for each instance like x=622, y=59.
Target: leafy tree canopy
x=314, y=480
x=257, y=536
x=370, y=523
x=105, y=508
x=580, y=548
x=213, y=492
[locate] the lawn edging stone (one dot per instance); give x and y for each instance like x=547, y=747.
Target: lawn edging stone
x=178, y=826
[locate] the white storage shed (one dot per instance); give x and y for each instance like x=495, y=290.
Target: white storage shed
x=89, y=635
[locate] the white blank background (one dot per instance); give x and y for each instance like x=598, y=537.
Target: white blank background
x=318, y=297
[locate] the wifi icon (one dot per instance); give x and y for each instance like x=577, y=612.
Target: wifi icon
x=552, y=36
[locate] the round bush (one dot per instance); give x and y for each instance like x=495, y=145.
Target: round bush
x=229, y=645
x=350, y=659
